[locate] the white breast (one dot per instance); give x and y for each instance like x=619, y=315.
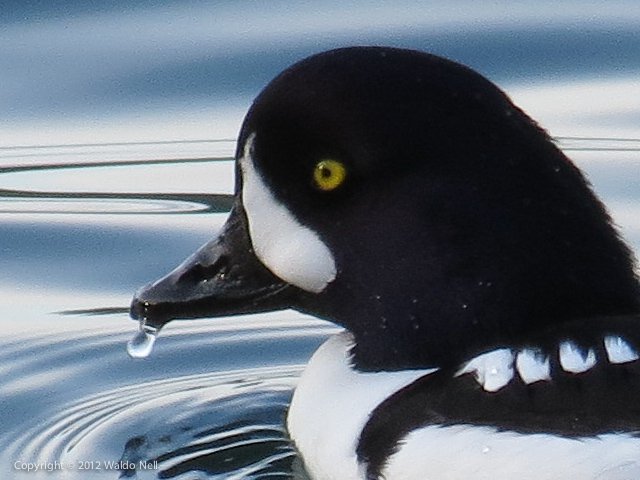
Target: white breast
x=332, y=404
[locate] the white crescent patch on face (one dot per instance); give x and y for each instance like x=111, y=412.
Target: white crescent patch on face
x=292, y=252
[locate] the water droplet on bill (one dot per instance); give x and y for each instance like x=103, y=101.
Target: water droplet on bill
x=141, y=345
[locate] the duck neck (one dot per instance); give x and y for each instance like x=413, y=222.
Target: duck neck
x=401, y=328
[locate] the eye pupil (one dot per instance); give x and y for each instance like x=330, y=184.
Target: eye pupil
x=325, y=171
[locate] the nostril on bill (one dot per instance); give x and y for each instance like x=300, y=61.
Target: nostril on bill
x=201, y=273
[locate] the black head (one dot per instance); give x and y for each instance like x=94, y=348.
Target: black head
x=454, y=222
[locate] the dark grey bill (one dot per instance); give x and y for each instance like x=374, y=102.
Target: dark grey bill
x=224, y=277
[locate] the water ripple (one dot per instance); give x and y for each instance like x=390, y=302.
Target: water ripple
x=209, y=403
x=213, y=425
x=117, y=178
x=600, y=144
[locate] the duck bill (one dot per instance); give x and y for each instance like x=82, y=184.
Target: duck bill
x=224, y=277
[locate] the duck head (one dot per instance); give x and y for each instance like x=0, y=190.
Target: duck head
x=404, y=197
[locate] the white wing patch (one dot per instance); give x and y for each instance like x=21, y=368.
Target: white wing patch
x=573, y=359
x=493, y=370
x=619, y=351
x=292, y=252
x=533, y=366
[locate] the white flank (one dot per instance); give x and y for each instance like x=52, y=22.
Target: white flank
x=619, y=351
x=493, y=370
x=292, y=252
x=532, y=366
x=331, y=406
x=484, y=453
x=573, y=360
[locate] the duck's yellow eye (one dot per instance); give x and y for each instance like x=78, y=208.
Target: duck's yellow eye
x=329, y=174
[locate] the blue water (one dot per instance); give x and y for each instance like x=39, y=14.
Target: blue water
x=116, y=146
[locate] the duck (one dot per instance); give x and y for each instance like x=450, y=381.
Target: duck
x=490, y=308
